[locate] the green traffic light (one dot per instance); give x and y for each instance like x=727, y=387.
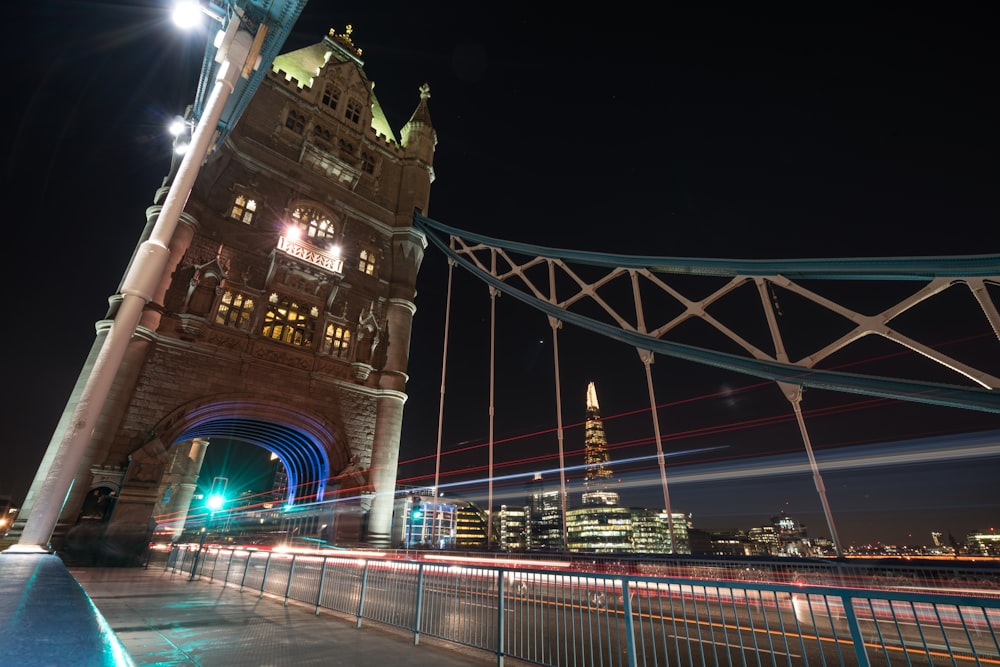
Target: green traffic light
x=215, y=501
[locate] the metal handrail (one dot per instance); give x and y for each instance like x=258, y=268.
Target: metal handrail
x=555, y=617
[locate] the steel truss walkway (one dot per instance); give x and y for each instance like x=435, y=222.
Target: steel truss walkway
x=587, y=289
x=536, y=276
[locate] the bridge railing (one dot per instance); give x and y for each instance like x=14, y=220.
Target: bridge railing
x=551, y=617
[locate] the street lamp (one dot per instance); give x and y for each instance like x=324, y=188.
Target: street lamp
x=215, y=501
x=187, y=13
x=138, y=288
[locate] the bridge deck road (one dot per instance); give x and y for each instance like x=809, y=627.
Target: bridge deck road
x=163, y=619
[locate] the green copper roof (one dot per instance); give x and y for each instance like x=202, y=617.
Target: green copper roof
x=305, y=64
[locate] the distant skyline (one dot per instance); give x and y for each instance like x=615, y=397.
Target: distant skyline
x=706, y=133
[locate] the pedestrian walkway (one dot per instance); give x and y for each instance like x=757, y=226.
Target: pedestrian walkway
x=47, y=620
x=163, y=619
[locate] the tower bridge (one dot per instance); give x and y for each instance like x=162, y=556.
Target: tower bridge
x=281, y=311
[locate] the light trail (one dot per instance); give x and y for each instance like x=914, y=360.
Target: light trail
x=869, y=457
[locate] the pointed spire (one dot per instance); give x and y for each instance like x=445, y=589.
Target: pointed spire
x=421, y=117
x=592, y=397
x=422, y=114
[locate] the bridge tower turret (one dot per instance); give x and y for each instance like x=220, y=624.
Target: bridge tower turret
x=283, y=316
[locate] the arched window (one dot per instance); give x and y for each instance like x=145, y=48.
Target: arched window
x=322, y=133
x=331, y=96
x=289, y=322
x=296, y=122
x=316, y=224
x=235, y=310
x=366, y=262
x=367, y=163
x=352, y=111
x=243, y=208
x=336, y=340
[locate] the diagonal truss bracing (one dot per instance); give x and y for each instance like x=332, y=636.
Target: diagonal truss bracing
x=553, y=282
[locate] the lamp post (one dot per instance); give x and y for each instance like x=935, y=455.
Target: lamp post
x=214, y=503
x=138, y=287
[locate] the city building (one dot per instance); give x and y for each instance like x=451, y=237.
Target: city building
x=983, y=543
x=470, y=527
x=428, y=523
x=601, y=524
x=599, y=529
x=511, y=528
x=545, y=522
x=625, y=530
x=598, y=478
x=651, y=532
x=283, y=315
x=719, y=543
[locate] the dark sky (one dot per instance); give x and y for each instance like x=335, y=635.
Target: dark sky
x=720, y=133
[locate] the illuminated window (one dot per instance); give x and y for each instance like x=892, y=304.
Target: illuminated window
x=367, y=163
x=315, y=224
x=295, y=122
x=366, y=262
x=352, y=111
x=331, y=96
x=235, y=310
x=336, y=340
x=243, y=209
x=289, y=322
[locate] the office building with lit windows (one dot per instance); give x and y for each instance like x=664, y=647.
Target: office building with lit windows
x=545, y=526
x=430, y=523
x=511, y=528
x=599, y=529
x=470, y=527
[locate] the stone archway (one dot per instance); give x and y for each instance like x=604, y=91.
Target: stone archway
x=164, y=470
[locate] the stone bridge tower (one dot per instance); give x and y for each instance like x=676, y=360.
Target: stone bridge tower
x=283, y=318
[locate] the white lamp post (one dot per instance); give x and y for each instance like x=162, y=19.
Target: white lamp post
x=138, y=288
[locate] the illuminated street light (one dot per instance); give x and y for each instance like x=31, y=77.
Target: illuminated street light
x=216, y=499
x=187, y=14
x=180, y=129
x=237, y=48
x=217, y=496
x=215, y=502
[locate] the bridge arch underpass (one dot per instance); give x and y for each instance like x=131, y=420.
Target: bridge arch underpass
x=306, y=462
x=559, y=283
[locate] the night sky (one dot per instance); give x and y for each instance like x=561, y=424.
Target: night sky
x=722, y=133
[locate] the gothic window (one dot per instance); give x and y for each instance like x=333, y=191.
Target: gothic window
x=296, y=122
x=203, y=294
x=331, y=96
x=367, y=163
x=322, y=133
x=352, y=111
x=243, y=208
x=289, y=322
x=346, y=146
x=366, y=262
x=336, y=340
x=315, y=224
x=235, y=310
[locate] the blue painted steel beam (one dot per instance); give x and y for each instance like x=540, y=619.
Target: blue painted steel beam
x=276, y=18
x=851, y=268
x=933, y=393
